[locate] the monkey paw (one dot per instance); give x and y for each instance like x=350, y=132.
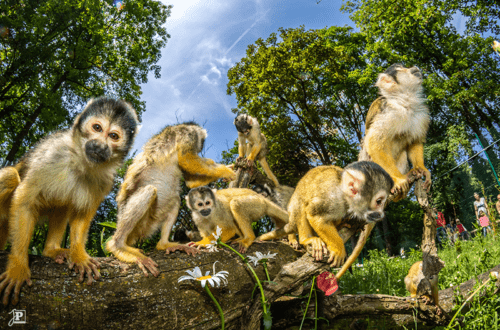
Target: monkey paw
x=88, y=266
x=58, y=255
x=400, y=188
x=337, y=258
x=186, y=248
x=13, y=278
x=316, y=247
x=148, y=264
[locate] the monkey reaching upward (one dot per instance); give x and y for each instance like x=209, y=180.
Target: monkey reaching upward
x=414, y=277
x=9, y=180
x=65, y=177
x=279, y=195
x=326, y=196
x=233, y=210
x=149, y=197
x=396, y=126
x=256, y=147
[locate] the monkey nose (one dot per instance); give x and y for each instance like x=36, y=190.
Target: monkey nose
x=374, y=216
x=205, y=212
x=97, y=152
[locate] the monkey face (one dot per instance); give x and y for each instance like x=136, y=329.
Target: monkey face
x=242, y=124
x=262, y=190
x=201, y=200
x=106, y=129
x=397, y=79
x=366, y=186
x=103, y=138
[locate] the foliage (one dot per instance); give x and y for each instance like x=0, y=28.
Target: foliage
x=57, y=54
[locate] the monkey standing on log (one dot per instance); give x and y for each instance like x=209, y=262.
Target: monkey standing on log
x=256, y=147
x=396, y=126
x=325, y=197
x=65, y=177
x=149, y=197
x=413, y=279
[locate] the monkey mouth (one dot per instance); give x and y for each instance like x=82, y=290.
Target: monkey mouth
x=97, y=152
x=374, y=216
x=205, y=213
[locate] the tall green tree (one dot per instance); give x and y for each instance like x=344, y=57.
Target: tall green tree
x=56, y=54
x=304, y=87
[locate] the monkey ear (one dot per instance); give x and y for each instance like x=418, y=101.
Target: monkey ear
x=385, y=81
x=352, y=181
x=187, y=201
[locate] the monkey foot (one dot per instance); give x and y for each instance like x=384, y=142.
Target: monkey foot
x=14, y=278
x=316, y=247
x=58, y=255
x=90, y=267
x=188, y=249
x=337, y=259
x=146, y=264
x=294, y=244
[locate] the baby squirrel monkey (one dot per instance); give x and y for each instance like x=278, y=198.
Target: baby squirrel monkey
x=149, y=197
x=327, y=195
x=65, y=177
x=256, y=148
x=396, y=126
x=233, y=210
x=414, y=277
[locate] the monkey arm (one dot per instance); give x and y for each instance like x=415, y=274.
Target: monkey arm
x=198, y=171
x=329, y=235
x=79, y=228
x=242, y=145
x=256, y=148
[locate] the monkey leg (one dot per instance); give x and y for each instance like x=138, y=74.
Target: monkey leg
x=22, y=220
x=381, y=153
x=267, y=170
x=416, y=156
x=135, y=210
x=328, y=233
x=57, y=226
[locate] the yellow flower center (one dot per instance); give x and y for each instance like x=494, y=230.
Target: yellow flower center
x=204, y=278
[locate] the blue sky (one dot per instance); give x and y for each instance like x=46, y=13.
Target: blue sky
x=207, y=39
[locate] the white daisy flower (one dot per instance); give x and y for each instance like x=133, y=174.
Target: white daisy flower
x=218, y=233
x=260, y=256
x=196, y=275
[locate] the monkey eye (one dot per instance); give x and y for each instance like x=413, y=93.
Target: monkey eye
x=200, y=204
x=207, y=203
x=97, y=128
x=114, y=136
x=379, y=201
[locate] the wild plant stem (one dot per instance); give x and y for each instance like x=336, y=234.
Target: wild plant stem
x=265, y=270
x=221, y=313
x=308, y=301
x=262, y=297
x=465, y=302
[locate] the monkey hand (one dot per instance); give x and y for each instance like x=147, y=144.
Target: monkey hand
x=400, y=188
x=316, y=247
x=337, y=258
x=250, y=163
x=13, y=278
x=148, y=264
x=87, y=266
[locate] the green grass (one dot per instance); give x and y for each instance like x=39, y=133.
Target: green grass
x=381, y=274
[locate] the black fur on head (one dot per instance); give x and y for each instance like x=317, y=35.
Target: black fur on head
x=393, y=71
x=263, y=190
x=376, y=177
x=118, y=111
x=242, y=124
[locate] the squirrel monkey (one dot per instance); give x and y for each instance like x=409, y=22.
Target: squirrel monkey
x=279, y=195
x=396, y=126
x=65, y=177
x=414, y=277
x=233, y=210
x=327, y=195
x=149, y=197
x=9, y=180
x=256, y=147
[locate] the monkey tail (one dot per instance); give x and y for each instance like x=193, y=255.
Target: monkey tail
x=357, y=250
x=267, y=170
x=275, y=234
